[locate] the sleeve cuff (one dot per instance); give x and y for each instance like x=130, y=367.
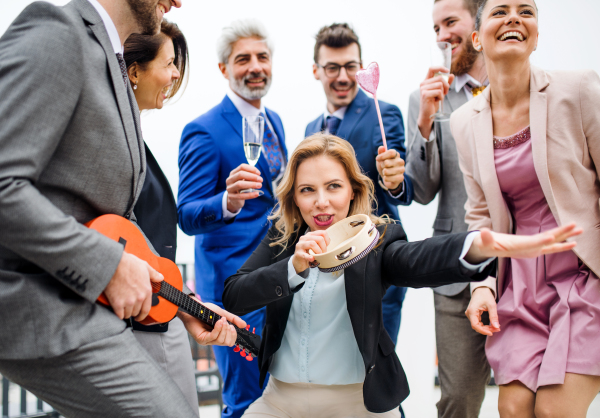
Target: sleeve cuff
x=476, y=268
x=295, y=279
x=226, y=214
x=399, y=195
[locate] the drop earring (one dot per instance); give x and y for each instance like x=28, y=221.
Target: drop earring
x=135, y=85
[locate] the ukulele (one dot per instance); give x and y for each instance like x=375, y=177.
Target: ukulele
x=167, y=296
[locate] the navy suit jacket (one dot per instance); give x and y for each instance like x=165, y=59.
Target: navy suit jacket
x=211, y=147
x=360, y=127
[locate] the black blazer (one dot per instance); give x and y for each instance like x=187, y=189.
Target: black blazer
x=156, y=210
x=262, y=281
x=156, y=215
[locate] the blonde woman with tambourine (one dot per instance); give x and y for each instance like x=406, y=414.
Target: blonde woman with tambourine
x=324, y=344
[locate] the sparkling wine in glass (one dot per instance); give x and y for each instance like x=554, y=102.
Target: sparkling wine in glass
x=441, y=56
x=253, y=128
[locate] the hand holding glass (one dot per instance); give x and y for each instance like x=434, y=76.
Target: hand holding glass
x=253, y=128
x=441, y=56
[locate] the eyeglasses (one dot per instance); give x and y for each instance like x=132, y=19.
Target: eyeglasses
x=333, y=70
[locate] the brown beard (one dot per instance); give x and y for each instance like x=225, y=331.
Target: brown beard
x=144, y=12
x=463, y=63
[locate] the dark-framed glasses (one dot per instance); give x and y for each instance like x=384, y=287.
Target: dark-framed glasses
x=333, y=70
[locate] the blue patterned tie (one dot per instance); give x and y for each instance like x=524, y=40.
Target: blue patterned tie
x=333, y=123
x=272, y=150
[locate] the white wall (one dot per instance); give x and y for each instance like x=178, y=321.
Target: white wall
x=396, y=34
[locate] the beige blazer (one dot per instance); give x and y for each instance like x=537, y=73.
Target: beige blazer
x=565, y=134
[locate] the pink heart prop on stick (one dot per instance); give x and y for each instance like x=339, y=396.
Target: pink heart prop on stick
x=368, y=79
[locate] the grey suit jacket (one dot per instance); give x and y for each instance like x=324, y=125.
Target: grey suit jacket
x=69, y=152
x=433, y=168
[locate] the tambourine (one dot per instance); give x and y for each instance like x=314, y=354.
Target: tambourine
x=351, y=240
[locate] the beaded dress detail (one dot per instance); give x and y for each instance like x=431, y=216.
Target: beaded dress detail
x=513, y=140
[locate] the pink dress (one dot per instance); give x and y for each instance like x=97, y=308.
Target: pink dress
x=549, y=309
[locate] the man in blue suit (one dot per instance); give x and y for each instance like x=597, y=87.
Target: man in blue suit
x=229, y=224
x=351, y=114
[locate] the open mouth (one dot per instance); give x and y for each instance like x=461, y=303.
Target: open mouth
x=323, y=219
x=166, y=89
x=342, y=90
x=255, y=82
x=512, y=36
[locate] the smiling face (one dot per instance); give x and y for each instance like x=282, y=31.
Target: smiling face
x=509, y=29
x=149, y=13
x=453, y=23
x=340, y=90
x=248, y=68
x=156, y=78
x=322, y=192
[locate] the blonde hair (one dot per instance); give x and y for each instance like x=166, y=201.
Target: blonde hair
x=286, y=213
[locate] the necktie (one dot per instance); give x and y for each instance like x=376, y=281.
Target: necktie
x=123, y=68
x=272, y=150
x=333, y=123
x=475, y=90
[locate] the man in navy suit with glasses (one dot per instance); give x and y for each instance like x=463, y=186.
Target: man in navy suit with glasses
x=351, y=115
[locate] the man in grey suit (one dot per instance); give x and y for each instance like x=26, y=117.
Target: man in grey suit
x=432, y=164
x=70, y=151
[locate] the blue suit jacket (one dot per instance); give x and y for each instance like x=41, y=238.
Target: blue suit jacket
x=211, y=147
x=360, y=127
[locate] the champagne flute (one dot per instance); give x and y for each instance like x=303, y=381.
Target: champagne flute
x=253, y=128
x=441, y=56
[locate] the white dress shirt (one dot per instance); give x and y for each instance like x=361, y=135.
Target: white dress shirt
x=318, y=345
x=111, y=29
x=460, y=83
x=247, y=110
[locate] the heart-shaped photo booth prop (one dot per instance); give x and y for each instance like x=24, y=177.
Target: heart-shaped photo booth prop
x=368, y=78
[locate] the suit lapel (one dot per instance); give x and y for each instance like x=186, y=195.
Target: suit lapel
x=355, y=112
x=538, y=111
x=482, y=131
x=126, y=110
x=354, y=284
x=454, y=99
x=234, y=118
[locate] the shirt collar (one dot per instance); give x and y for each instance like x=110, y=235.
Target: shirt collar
x=245, y=108
x=460, y=81
x=340, y=113
x=111, y=29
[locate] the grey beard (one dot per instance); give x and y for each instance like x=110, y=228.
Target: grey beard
x=239, y=86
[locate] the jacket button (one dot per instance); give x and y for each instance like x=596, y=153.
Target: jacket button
x=371, y=368
x=278, y=291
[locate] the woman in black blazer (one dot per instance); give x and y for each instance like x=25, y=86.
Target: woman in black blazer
x=322, y=185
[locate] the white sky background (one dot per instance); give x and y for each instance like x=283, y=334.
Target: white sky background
x=395, y=33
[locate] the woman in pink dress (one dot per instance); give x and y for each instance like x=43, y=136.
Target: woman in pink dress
x=529, y=148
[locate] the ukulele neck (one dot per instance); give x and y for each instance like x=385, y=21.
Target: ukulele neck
x=188, y=304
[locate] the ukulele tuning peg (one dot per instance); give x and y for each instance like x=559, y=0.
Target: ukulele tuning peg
x=249, y=357
x=247, y=327
x=236, y=348
x=253, y=329
x=243, y=353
